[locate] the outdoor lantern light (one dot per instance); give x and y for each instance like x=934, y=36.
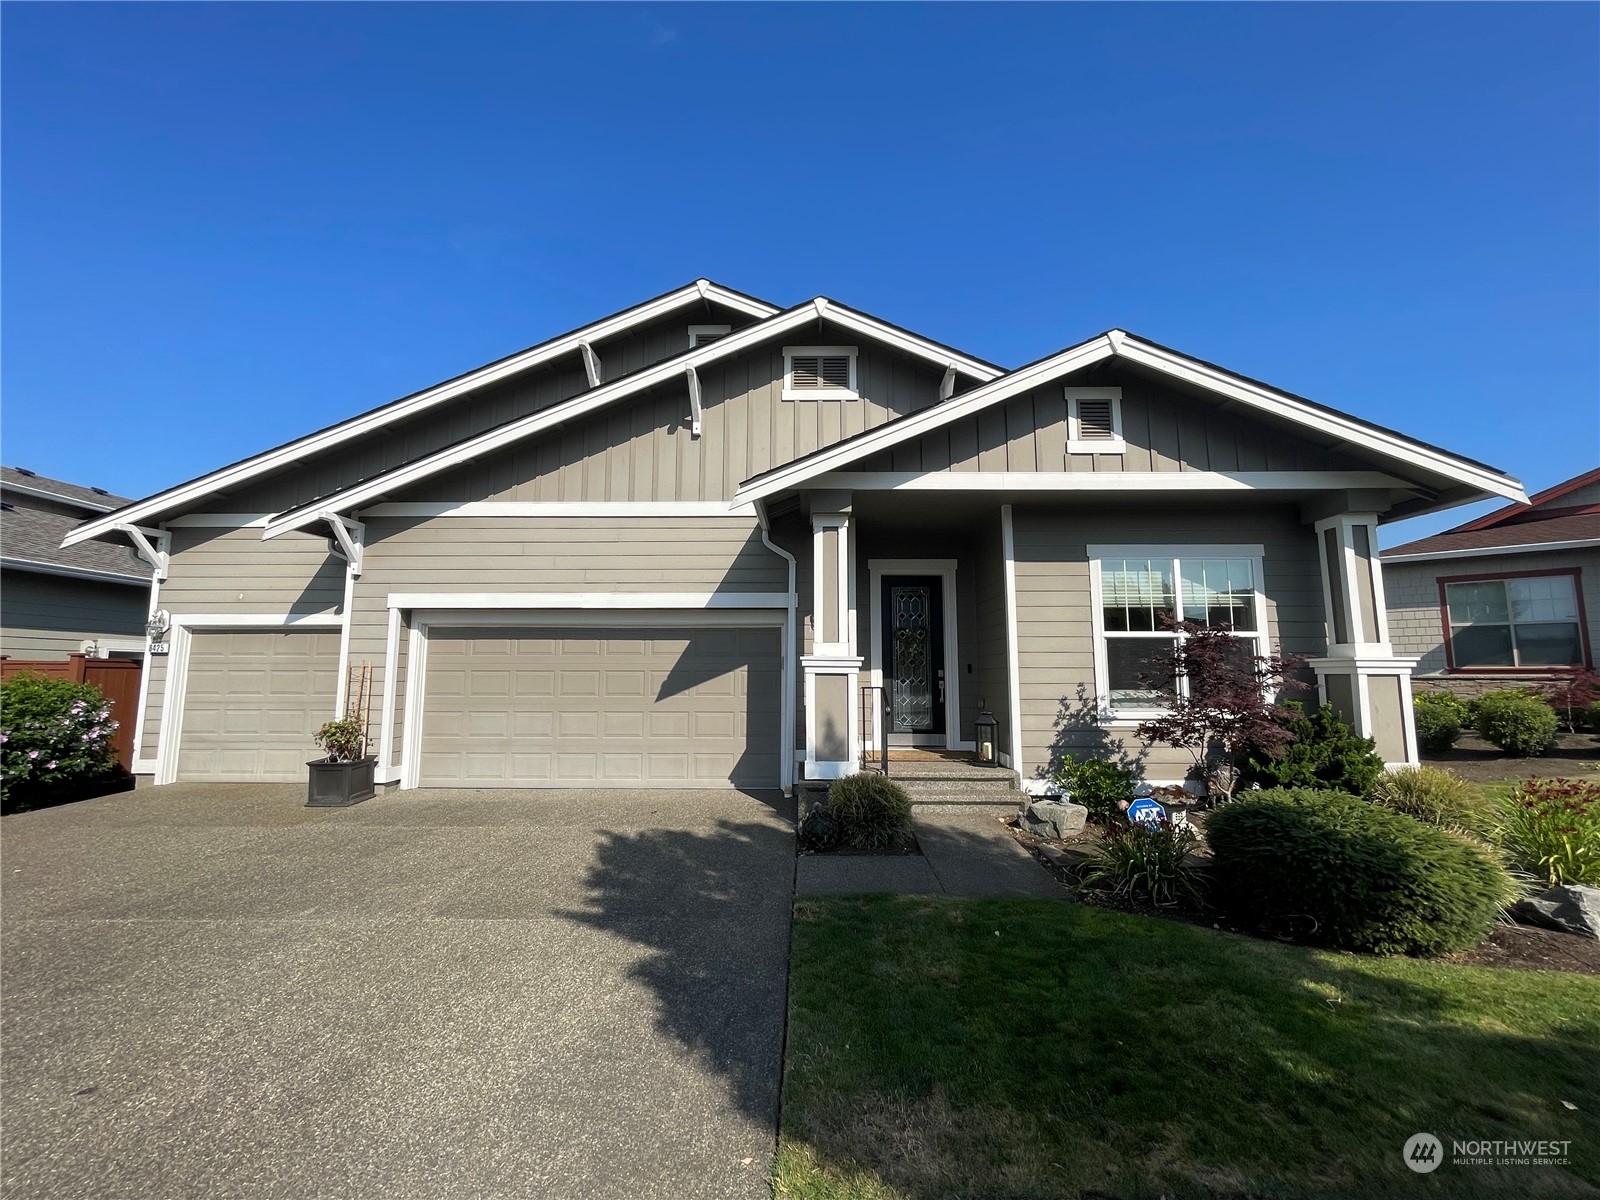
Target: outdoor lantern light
x=988, y=739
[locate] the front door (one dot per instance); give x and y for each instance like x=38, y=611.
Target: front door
x=913, y=658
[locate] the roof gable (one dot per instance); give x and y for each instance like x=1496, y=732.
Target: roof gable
x=1452, y=478
x=1544, y=499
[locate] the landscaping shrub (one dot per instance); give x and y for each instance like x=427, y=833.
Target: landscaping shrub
x=1097, y=784
x=1336, y=871
x=1574, y=697
x=1435, y=797
x=1591, y=716
x=1518, y=722
x=1551, y=827
x=1148, y=862
x=55, y=736
x=873, y=812
x=1440, y=717
x=1325, y=753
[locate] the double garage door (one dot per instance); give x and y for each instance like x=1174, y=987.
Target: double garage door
x=597, y=707
x=507, y=707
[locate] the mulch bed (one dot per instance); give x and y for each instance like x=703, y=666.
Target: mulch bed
x=1483, y=762
x=909, y=846
x=1518, y=947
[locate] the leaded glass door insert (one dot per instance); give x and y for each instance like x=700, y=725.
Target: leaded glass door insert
x=913, y=667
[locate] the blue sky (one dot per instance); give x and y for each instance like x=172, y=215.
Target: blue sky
x=227, y=225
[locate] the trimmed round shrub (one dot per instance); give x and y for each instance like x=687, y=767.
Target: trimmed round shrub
x=1325, y=753
x=1518, y=722
x=1435, y=797
x=873, y=812
x=1440, y=717
x=1335, y=871
x=1097, y=784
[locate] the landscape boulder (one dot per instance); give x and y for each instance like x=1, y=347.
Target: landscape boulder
x=1054, y=819
x=1574, y=909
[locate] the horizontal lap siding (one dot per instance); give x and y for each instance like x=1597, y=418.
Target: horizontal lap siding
x=643, y=449
x=1054, y=622
x=48, y=616
x=535, y=554
x=1164, y=431
x=475, y=413
x=1416, y=618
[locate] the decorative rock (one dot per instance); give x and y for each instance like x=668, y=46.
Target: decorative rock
x=1574, y=910
x=1053, y=818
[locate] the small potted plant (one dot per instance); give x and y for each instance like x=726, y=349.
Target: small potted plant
x=345, y=776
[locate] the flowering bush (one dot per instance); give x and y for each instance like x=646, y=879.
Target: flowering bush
x=53, y=733
x=1552, y=828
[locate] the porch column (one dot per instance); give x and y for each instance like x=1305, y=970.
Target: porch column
x=1361, y=676
x=833, y=668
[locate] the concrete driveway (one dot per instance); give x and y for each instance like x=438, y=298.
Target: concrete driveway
x=213, y=991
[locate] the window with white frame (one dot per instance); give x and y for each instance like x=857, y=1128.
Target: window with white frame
x=819, y=373
x=1094, y=421
x=1530, y=621
x=1138, y=592
x=701, y=335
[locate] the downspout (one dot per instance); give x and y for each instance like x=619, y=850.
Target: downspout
x=790, y=622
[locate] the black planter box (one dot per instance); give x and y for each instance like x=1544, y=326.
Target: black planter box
x=340, y=784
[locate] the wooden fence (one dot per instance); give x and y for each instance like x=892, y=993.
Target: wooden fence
x=117, y=679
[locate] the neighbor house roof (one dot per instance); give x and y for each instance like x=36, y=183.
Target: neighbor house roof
x=1516, y=528
x=30, y=538
x=175, y=499
x=1344, y=430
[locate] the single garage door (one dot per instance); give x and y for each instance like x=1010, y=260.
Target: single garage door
x=601, y=708
x=252, y=703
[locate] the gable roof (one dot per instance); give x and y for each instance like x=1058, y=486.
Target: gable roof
x=407, y=474
x=1521, y=511
x=1248, y=393
x=175, y=498
x=1569, y=531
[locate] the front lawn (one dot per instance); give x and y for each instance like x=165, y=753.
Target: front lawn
x=944, y=1047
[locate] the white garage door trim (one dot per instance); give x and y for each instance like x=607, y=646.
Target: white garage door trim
x=175, y=694
x=422, y=620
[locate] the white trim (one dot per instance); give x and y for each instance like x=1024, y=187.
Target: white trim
x=256, y=621
x=220, y=520
x=1177, y=550
x=1122, y=345
x=790, y=654
x=43, y=568
x=790, y=392
x=144, y=678
x=591, y=364
x=231, y=477
x=391, y=670
x=1363, y=667
x=588, y=601
x=145, y=766
x=11, y=485
x=695, y=407
x=823, y=769
x=559, y=508
x=696, y=332
x=1075, y=442
x=1093, y=481
x=945, y=569
x=1490, y=551
x=341, y=694
x=104, y=645
x=1008, y=544
x=1363, y=642
x=845, y=644
x=154, y=546
x=360, y=494
x=424, y=620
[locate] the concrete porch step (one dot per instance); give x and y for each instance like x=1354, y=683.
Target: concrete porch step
x=948, y=771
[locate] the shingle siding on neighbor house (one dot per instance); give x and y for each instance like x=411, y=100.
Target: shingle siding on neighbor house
x=1054, y=622
x=1163, y=431
x=1416, y=620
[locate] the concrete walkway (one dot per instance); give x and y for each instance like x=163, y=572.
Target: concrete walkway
x=965, y=852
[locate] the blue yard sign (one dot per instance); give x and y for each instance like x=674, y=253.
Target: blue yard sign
x=1146, y=811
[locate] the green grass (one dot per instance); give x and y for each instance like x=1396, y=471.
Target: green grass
x=947, y=1047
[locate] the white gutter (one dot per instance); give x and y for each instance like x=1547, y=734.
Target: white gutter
x=44, y=568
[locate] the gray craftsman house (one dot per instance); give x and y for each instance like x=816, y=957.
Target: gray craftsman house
x=90, y=598
x=682, y=545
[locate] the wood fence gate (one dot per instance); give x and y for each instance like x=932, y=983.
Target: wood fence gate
x=117, y=679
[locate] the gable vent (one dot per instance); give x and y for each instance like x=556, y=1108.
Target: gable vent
x=1095, y=422
x=820, y=371
x=702, y=339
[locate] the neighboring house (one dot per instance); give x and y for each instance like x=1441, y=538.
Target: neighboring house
x=671, y=548
x=90, y=598
x=1508, y=600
